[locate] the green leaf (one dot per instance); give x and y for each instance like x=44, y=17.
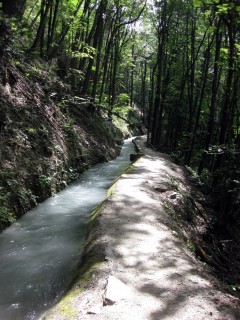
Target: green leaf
x=197, y=3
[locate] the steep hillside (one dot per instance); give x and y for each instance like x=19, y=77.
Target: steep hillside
x=47, y=136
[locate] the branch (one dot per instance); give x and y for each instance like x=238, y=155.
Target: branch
x=135, y=19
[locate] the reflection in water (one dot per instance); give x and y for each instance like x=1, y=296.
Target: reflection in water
x=39, y=254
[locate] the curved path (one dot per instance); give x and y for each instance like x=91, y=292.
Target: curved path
x=152, y=274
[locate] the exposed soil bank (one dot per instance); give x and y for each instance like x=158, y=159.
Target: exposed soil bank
x=137, y=240
x=47, y=137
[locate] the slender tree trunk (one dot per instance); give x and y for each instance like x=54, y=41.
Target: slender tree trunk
x=190, y=86
x=46, y=4
x=227, y=107
x=213, y=104
x=132, y=76
x=203, y=82
x=65, y=30
x=105, y=66
x=114, y=73
x=144, y=76
x=99, y=54
x=151, y=101
x=158, y=106
x=77, y=63
x=97, y=38
x=52, y=25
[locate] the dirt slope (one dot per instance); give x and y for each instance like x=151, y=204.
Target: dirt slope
x=136, y=242
x=46, y=137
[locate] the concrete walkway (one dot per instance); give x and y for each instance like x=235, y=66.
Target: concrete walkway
x=153, y=275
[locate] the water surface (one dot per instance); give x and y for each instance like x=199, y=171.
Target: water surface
x=39, y=254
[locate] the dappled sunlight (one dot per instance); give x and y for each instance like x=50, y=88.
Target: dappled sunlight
x=166, y=280
x=139, y=246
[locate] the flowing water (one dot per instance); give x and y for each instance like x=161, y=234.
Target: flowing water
x=40, y=253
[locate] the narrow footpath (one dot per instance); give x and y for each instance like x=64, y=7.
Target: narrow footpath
x=140, y=267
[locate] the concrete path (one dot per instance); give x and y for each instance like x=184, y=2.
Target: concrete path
x=153, y=275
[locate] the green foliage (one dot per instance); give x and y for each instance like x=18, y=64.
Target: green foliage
x=87, y=52
x=122, y=107
x=45, y=181
x=69, y=125
x=72, y=174
x=174, y=183
x=194, y=175
x=35, y=70
x=237, y=48
x=224, y=8
x=31, y=131
x=123, y=99
x=26, y=198
x=224, y=53
x=190, y=245
x=14, y=26
x=3, y=196
x=206, y=177
x=235, y=287
x=6, y=215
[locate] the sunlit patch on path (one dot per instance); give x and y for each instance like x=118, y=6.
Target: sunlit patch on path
x=145, y=255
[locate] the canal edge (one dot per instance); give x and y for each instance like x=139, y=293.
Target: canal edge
x=93, y=260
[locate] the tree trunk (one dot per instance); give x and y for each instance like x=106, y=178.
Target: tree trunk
x=158, y=106
x=52, y=24
x=214, y=94
x=65, y=29
x=200, y=98
x=45, y=7
x=99, y=53
x=144, y=76
x=132, y=76
x=97, y=29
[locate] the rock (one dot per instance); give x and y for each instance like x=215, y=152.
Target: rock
x=161, y=188
x=95, y=310
x=115, y=291
x=173, y=195
x=135, y=157
x=109, y=255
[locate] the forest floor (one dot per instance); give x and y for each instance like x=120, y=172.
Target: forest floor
x=138, y=263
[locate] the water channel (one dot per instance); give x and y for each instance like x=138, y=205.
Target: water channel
x=40, y=253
